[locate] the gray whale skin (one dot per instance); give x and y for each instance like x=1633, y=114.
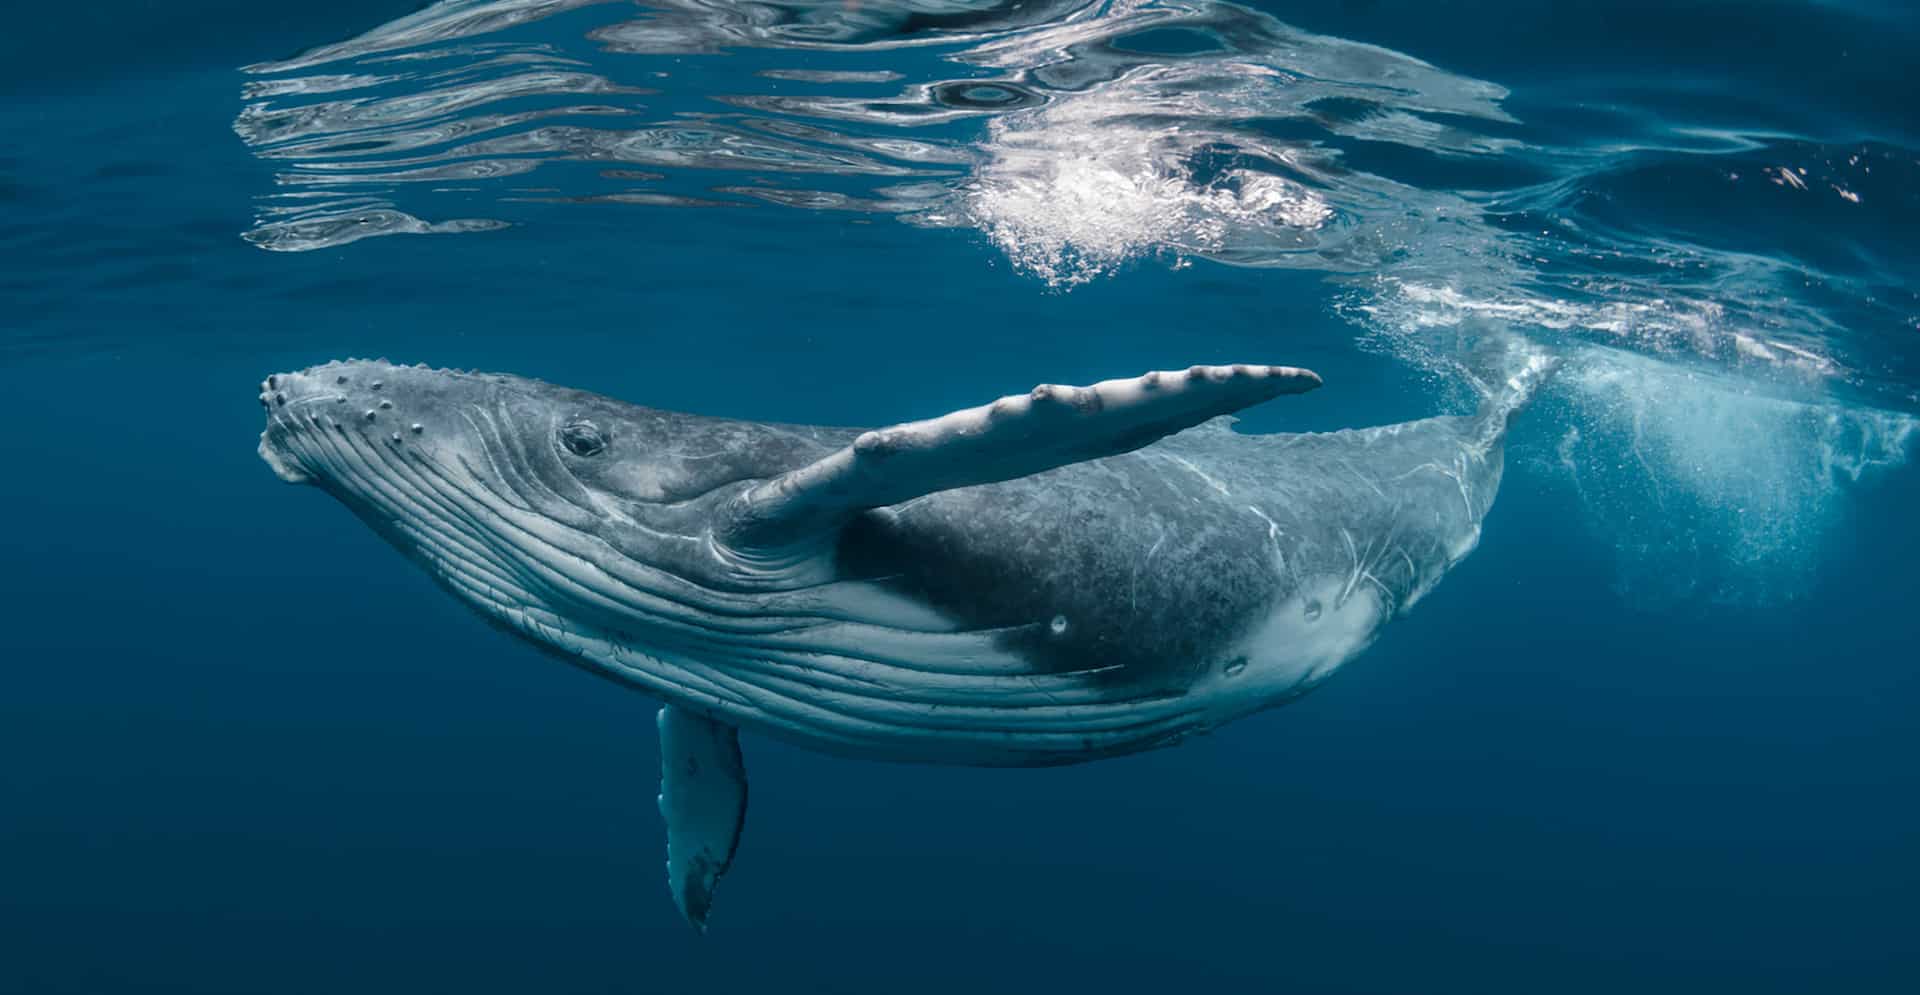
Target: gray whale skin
x=1058, y=576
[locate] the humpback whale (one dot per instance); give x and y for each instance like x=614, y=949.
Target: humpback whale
x=1058, y=576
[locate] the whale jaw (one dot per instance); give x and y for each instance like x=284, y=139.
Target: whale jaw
x=281, y=464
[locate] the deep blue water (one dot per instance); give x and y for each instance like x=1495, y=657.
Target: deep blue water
x=1658, y=733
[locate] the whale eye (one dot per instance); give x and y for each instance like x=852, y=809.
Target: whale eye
x=582, y=437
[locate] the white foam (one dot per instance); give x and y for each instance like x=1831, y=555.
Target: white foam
x=1139, y=156
x=1410, y=309
x=1708, y=487
x=1068, y=194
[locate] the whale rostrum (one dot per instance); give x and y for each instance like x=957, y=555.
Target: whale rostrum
x=1058, y=576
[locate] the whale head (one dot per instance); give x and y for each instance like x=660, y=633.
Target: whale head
x=405, y=440
x=563, y=512
x=521, y=496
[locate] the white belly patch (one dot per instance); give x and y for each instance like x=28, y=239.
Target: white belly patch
x=1304, y=638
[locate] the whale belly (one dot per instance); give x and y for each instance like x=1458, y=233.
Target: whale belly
x=1298, y=643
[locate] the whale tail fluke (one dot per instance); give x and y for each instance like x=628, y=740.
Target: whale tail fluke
x=1507, y=372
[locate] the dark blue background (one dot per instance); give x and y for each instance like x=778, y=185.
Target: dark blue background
x=245, y=748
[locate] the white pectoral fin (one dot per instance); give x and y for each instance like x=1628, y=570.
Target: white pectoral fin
x=703, y=796
x=1015, y=436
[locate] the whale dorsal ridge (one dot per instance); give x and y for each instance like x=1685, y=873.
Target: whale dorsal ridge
x=1015, y=436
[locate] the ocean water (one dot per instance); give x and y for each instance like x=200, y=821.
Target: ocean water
x=1657, y=734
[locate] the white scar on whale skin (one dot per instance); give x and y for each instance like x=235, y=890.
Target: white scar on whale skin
x=1005, y=585
x=1202, y=474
